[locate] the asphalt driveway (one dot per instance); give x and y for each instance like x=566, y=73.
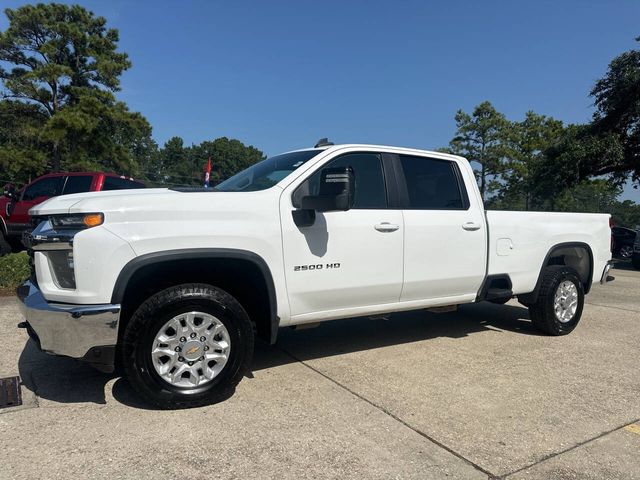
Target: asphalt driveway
x=472, y=394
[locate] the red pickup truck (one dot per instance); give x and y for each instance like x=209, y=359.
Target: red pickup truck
x=15, y=204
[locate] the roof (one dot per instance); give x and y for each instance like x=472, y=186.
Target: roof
x=390, y=148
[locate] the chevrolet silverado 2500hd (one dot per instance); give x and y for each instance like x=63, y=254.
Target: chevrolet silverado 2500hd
x=173, y=284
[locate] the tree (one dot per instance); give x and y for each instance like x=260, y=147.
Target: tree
x=526, y=143
x=64, y=65
x=176, y=164
x=569, y=161
x=617, y=101
x=480, y=138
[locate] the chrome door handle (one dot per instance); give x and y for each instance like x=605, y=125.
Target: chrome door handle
x=386, y=227
x=471, y=226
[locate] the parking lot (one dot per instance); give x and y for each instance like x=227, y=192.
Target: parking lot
x=473, y=394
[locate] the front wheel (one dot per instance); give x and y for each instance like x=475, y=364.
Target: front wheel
x=558, y=308
x=187, y=346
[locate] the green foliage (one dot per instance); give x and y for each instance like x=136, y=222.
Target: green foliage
x=526, y=145
x=58, y=109
x=480, y=137
x=179, y=165
x=14, y=269
x=617, y=101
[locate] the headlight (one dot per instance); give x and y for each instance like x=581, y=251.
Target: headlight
x=77, y=221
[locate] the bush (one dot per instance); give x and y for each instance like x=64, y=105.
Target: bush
x=14, y=269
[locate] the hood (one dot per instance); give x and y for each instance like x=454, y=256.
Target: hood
x=162, y=204
x=83, y=202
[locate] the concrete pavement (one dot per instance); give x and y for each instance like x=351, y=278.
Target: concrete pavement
x=472, y=394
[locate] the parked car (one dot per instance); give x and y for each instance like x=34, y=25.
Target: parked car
x=15, y=204
x=623, y=239
x=173, y=284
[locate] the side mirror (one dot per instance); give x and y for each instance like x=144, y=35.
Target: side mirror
x=336, y=191
x=10, y=192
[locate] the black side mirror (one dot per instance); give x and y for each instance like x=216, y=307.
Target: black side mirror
x=336, y=191
x=10, y=192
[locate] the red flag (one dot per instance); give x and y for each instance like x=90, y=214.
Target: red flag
x=207, y=173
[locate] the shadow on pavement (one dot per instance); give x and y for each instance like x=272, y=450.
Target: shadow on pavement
x=65, y=380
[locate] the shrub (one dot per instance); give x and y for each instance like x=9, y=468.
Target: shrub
x=14, y=269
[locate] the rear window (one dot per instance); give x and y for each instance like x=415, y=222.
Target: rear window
x=117, y=183
x=77, y=184
x=432, y=184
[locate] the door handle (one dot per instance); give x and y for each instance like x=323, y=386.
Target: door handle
x=471, y=226
x=386, y=227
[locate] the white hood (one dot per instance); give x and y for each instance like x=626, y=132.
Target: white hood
x=76, y=202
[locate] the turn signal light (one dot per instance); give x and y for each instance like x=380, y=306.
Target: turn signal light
x=93, y=219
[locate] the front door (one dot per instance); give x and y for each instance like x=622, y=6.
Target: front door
x=346, y=260
x=33, y=194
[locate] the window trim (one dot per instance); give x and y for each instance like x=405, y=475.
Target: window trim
x=404, y=194
x=386, y=174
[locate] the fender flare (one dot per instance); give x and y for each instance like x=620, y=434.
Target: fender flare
x=533, y=296
x=134, y=265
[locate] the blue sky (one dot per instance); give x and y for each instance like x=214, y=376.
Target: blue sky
x=281, y=74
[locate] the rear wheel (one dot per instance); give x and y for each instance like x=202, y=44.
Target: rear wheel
x=558, y=308
x=187, y=346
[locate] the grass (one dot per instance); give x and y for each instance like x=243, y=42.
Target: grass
x=14, y=269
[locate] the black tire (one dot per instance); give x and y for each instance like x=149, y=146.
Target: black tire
x=542, y=312
x=154, y=313
x=5, y=247
x=635, y=261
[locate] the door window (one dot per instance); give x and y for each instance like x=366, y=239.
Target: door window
x=77, y=184
x=116, y=183
x=370, y=190
x=45, y=187
x=432, y=184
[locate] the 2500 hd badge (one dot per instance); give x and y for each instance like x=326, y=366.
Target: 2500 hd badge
x=319, y=266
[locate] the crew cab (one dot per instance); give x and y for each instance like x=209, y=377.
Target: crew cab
x=15, y=204
x=174, y=284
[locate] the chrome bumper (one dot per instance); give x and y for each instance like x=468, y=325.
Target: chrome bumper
x=78, y=331
x=605, y=273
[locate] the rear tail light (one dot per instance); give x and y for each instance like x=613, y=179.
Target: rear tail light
x=611, y=225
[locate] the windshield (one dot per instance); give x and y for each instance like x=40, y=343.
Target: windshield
x=267, y=173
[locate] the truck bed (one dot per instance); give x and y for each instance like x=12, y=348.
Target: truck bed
x=519, y=242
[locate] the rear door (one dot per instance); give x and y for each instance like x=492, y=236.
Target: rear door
x=78, y=184
x=445, y=232
x=345, y=260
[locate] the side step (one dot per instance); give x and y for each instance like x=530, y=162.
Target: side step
x=495, y=293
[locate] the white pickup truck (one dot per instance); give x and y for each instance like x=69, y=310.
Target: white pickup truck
x=173, y=284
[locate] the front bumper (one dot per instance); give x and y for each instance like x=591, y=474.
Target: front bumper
x=87, y=332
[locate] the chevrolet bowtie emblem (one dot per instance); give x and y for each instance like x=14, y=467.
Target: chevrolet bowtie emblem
x=193, y=350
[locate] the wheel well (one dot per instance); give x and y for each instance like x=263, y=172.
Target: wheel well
x=575, y=255
x=241, y=278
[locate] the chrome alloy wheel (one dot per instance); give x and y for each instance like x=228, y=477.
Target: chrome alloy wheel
x=191, y=349
x=565, y=302
x=626, y=251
